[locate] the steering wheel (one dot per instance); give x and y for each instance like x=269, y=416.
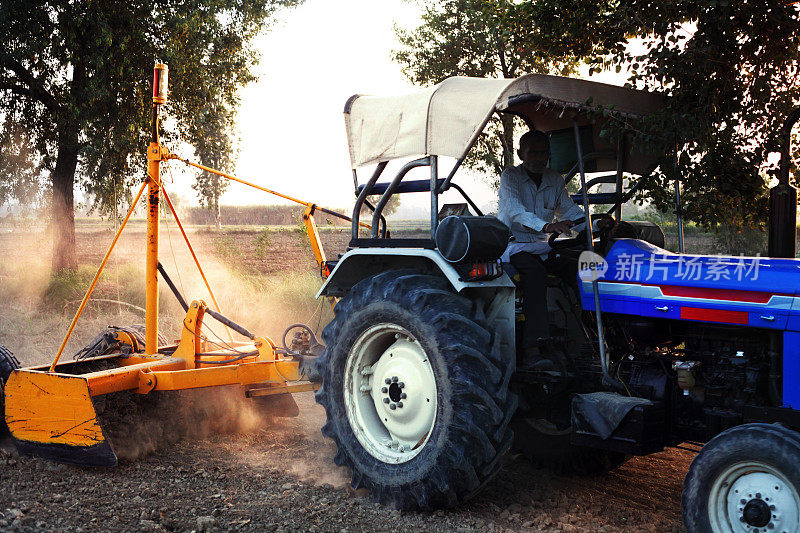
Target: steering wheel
x=602, y=230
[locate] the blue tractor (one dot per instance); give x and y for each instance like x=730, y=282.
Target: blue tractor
x=655, y=348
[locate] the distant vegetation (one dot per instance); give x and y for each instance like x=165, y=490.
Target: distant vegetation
x=254, y=215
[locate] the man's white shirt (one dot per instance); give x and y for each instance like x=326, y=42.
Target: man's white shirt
x=526, y=208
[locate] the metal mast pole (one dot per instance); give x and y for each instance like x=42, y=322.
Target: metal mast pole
x=590, y=247
x=153, y=193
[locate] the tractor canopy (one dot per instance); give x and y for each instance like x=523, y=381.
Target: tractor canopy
x=446, y=120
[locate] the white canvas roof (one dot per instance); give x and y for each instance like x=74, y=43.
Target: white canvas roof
x=445, y=119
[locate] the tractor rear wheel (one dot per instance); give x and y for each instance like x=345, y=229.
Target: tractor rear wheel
x=8, y=363
x=416, y=395
x=745, y=479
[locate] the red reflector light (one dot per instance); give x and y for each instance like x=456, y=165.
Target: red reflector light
x=483, y=271
x=714, y=315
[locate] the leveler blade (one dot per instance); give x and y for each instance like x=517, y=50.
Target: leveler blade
x=53, y=416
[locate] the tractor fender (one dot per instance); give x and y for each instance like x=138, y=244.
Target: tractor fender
x=497, y=294
x=361, y=263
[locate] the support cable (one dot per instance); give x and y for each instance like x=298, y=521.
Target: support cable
x=191, y=250
x=97, y=277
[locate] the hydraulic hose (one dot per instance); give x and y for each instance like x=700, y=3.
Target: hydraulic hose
x=217, y=316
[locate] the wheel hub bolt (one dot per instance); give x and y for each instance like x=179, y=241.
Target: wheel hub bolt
x=392, y=406
x=400, y=404
x=387, y=381
x=385, y=390
x=401, y=385
x=394, y=379
x=386, y=400
x=402, y=395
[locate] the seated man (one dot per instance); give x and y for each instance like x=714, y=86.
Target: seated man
x=531, y=195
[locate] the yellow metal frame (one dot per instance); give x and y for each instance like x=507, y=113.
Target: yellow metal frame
x=156, y=153
x=50, y=408
x=308, y=214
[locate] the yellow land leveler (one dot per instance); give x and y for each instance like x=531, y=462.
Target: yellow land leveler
x=52, y=411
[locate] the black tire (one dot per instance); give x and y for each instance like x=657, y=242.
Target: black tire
x=473, y=403
x=8, y=363
x=766, y=448
x=548, y=448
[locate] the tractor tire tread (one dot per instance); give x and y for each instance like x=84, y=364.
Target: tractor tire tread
x=8, y=363
x=478, y=429
x=775, y=444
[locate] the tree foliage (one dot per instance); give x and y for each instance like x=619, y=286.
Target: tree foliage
x=729, y=69
x=18, y=176
x=390, y=208
x=482, y=39
x=216, y=148
x=75, y=76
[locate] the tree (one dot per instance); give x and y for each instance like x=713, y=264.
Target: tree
x=481, y=38
x=76, y=75
x=730, y=70
x=390, y=208
x=215, y=149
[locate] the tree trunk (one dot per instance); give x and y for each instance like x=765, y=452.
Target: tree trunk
x=63, y=222
x=217, y=212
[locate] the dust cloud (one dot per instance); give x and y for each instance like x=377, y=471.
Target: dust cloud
x=253, y=433
x=138, y=425
x=294, y=446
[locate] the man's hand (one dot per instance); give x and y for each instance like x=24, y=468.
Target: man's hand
x=605, y=223
x=562, y=226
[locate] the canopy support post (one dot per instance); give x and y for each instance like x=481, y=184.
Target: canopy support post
x=363, y=197
x=434, y=194
x=376, y=216
x=590, y=247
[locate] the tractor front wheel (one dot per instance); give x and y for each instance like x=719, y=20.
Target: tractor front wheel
x=416, y=397
x=745, y=480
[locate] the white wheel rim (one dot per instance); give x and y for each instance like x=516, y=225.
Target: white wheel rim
x=759, y=487
x=390, y=393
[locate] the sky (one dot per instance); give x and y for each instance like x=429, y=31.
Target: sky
x=290, y=123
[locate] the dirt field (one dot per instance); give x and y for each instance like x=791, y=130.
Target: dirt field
x=276, y=475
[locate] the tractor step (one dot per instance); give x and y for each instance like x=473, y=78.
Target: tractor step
x=610, y=421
